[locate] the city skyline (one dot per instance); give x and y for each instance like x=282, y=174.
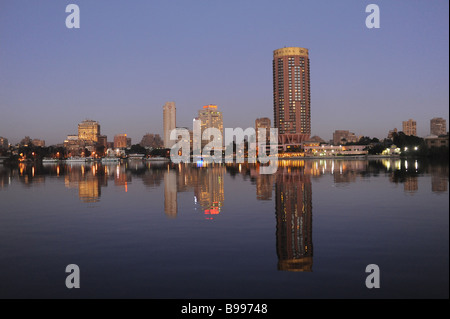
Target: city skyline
x=363, y=80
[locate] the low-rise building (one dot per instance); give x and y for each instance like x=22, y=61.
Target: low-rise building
x=343, y=136
x=313, y=149
x=436, y=141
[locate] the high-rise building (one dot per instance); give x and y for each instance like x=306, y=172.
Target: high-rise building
x=438, y=126
x=169, y=119
x=409, y=127
x=262, y=123
x=210, y=118
x=89, y=130
x=291, y=94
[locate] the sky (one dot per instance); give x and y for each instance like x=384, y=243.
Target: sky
x=130, y=57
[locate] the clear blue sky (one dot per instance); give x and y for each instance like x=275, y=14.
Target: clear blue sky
x=130, y=57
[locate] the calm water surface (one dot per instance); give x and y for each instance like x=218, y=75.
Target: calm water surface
x=158, y=230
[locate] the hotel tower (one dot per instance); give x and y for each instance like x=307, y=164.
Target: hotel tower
x=291, y=94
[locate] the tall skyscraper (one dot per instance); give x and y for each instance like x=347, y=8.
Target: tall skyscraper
x=291, y=94
x=409, y=127
x=170, y=123
x=210, y=118
x=438, y=126
x=89, y=130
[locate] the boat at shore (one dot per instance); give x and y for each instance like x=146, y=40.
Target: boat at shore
x=48, y=160
x=75, y=159
x=135, y=157
x=157, y=159
x=110, y=159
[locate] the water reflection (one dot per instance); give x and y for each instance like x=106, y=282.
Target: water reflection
x=290, y=188
x=170, y=193
x=87, y=179
x=293, y=210
x=207, y=182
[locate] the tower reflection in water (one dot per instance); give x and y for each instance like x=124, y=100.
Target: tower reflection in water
x=170, y=193
x=293, y=210
x=206, y=183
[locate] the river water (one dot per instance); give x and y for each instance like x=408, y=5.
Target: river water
x=158, y=230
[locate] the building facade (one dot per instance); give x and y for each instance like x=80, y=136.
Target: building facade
x=343, y=137
x=210, y=117
x=409, y=127
x=169, y=122
x=262, y=123
x=89, y=130
x=103, y=141
x=315, y=149
x=438, y=126
x=122, y=141
x=291, y=92
x=436, y=141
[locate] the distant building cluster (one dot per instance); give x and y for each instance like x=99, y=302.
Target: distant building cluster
x=87, y=140
x=27, y=141
x=208, y=117
x=438, y=132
